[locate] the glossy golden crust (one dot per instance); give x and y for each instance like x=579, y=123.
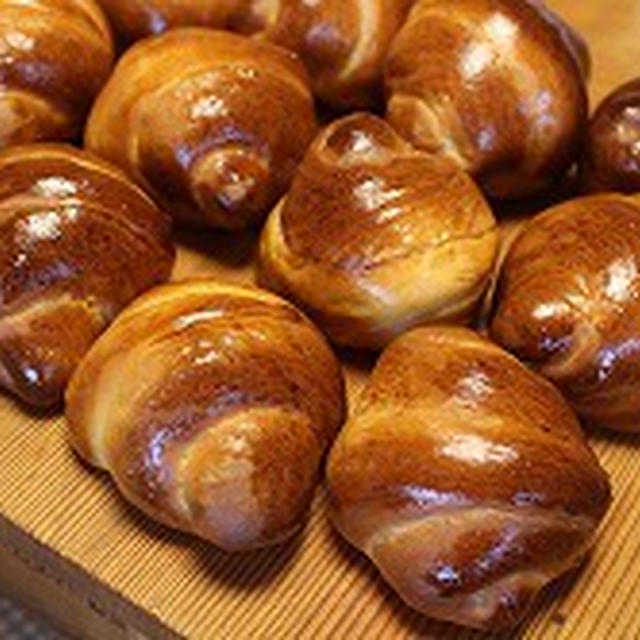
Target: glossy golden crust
x=135, y=19
x=79, y=241
x=212, y=123
x=375, y=237
x=465, y=478
x=212, y=407
x=611, y=158
x=496, y=86
x=569, y=303
x=343, y=44
x=47, y=88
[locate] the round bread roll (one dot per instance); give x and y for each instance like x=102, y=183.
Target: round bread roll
x=212, y=408
x=79, y=241
x=47, y=88
x=569, y=305
x=465, y=478
x=497, y=86
x=343, y=44
x=611, y=158
x=375, y=237
x=211, y=123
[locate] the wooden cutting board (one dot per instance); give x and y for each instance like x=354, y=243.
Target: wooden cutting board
x=72, y=548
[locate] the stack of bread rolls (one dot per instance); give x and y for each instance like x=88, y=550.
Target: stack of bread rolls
x=374, y=144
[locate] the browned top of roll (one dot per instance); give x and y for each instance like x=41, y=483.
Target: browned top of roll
x=79, y=241
x=497, y=86
x=211, y=122
x=569, y=303
x=470, y=421
x=47, y=86
x=363, y=196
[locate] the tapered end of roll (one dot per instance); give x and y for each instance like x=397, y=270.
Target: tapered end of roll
x=477, y=567
x=230, y=186
x=41, y=347
x=246, y=483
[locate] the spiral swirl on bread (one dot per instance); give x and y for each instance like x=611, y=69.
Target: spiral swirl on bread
x=465, y=478
x=375, y=236
x=212, y=407
x=46, y=86
x=79, y=241
x=496, y=86
x=211, y=123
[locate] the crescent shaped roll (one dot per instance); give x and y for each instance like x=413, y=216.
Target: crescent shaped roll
x=465, y=478
x=211, y=123
x=212, y=408
x=569, y=304
x=497, y=86
x=375, y=237
x=79, y=242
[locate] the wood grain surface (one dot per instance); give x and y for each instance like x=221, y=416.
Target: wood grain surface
x=70, y=546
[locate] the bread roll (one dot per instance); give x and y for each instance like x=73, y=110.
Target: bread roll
x=343, y=43
x=79, y=241
x=56, y=55
x=375, y=237
x=465, y=478
x=611, y=158
x=569, y=305
x=496, y=86
x=135, y=19
x=211, y=123
x=212, y=407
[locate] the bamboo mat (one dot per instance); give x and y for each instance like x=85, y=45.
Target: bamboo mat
x=69, y=525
